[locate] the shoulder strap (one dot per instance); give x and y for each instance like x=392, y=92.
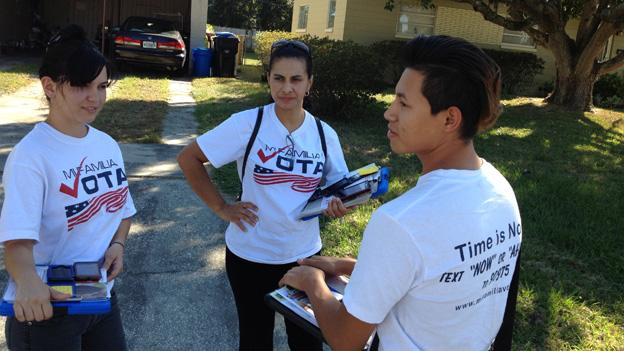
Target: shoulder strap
x=319, y=125
x=252, y=139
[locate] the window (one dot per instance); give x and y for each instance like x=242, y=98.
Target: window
x=331, y=14
x=415, y=20
x=517, y=38
x=606, y=50
x=303, y=17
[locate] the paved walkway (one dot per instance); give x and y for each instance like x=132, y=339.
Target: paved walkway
x=174, y=293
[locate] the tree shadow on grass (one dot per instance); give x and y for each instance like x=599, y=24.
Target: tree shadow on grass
x=566, y=169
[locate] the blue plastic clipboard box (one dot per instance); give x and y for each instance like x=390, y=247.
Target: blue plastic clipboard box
x=74, y=307
x=357, y=187
x=91, y=306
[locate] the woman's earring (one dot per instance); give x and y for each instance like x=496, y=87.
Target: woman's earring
x=307, y=93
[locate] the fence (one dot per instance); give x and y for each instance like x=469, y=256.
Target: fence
x=249, y=35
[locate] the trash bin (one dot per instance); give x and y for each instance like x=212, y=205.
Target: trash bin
x=225, y=48
x=201, y=62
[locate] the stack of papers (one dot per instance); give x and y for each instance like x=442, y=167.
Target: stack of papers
x=297, y=301
x=355, y=188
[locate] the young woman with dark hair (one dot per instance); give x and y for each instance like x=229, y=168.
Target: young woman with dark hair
x=66, y=201
x=286, y=161
x=435, y=264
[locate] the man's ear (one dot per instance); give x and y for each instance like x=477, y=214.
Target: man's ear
x=453, y=119
x=50, y=88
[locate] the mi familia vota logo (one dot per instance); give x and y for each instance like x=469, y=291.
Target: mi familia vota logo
x=289, y=159
x=92, y=177
x=301, y=169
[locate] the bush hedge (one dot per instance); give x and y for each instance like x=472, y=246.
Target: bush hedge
x=265, y=39
x=346, y=74
x=390, y=52
x=609, y=91
x=518, y=69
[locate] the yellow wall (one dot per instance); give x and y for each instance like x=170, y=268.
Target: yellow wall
x=317, y=18
x=467, y=24
x=368, y=22
x=618, y=44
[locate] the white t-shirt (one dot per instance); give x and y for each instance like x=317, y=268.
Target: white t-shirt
x=279, y=179
x=68, y=194
x=435, y=264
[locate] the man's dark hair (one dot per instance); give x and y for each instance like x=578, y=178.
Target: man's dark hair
x=71, y=58
x=457, y=73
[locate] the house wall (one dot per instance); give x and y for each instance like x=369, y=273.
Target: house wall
x=368, y=22
x=88, y=13
x=467, y=24
x=618, y=44
x=317, y=18
x=15, y=19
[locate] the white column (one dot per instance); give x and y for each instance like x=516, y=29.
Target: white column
x=199, y=17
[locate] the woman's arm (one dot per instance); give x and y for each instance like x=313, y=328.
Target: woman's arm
x=32, y=298
x=191, y=161
x=113, y=258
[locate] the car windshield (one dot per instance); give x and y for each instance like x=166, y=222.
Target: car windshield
x=149, y=25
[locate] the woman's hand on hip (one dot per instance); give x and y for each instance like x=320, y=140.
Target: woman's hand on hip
x=238, y=213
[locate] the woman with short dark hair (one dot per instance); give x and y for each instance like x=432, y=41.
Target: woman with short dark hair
x=66, y=200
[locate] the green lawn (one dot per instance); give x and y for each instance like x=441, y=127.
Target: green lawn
x=567, y=170
x=17, y=77
x=135, y=109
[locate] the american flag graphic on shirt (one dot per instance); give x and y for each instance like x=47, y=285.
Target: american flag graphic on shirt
x=112, y=201
x=303, y=184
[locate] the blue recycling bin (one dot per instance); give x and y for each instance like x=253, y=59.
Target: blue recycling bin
x=202, y=58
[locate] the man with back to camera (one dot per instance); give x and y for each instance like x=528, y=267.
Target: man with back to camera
x=435, y=264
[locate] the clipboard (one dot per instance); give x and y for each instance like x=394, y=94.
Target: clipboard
x=309, y=328
x=97, y=305
x=355, y=188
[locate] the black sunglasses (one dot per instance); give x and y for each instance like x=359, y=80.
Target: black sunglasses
x=280, y=44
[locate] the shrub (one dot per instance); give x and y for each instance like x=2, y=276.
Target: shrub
x=609, y=91
x=346, y=74
x=264, y=40
x=390, y=54
x=518, y=69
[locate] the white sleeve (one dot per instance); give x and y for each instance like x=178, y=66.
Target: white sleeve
x=387, y=266
x=335, y=165
x=24, y=189
x=224, y=144
x=129, y=209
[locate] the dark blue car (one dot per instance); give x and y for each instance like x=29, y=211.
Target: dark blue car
x=149, y=42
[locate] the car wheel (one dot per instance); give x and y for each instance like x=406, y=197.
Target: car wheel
x=179, y=71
